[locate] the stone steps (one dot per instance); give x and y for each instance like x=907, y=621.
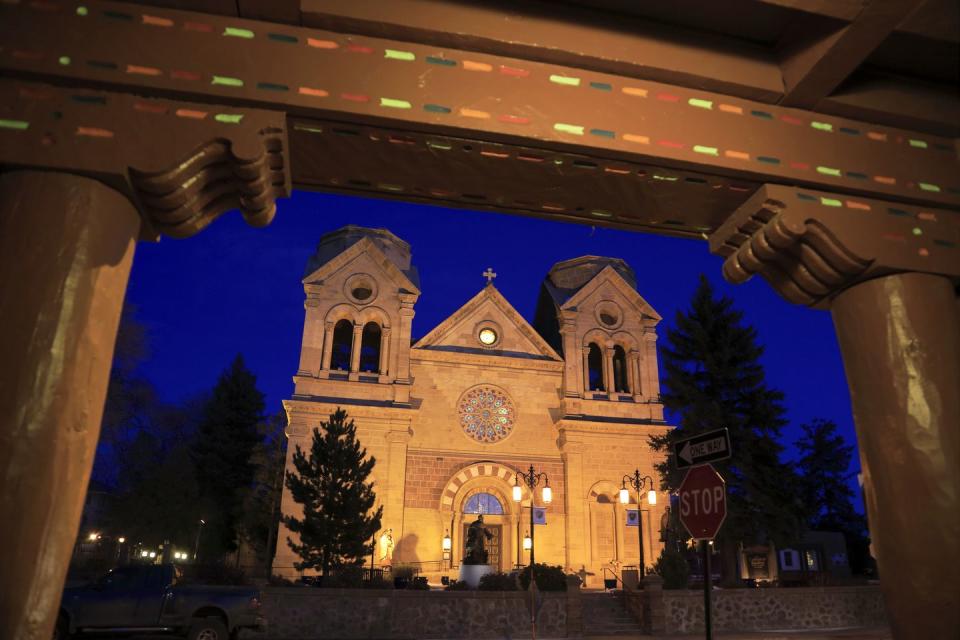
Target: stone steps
x=604, y=614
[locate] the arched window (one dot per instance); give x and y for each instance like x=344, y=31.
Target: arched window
x=621, y=382
x=603, y=498
x=595, y=364
x=483, y=503
x=342, y=346
x=370, y=347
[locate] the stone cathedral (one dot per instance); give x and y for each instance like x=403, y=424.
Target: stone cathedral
x=451, y=416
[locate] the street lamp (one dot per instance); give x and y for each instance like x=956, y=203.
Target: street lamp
x=527, y=542
x=532, y=479
x=196, y=545
x=638, y=483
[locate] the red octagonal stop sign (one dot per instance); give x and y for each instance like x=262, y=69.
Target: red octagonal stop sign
x=703, y=502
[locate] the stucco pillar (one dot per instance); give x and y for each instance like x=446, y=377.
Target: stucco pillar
x=311, y=350
x=651, y=384
x=403, y=339
x=586, y=369
x=355, y=351
x=572, y=385
x=384, y=350
x=608, y=371
x=900, y=340
x=576, y=551
x=636, y=372
x=395, y=485
x=66, y=247
x=327, y=345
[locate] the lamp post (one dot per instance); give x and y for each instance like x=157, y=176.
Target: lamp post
x=532, y=479
x=196, y=545
x=638, y=482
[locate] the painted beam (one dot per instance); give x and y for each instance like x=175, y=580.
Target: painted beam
x=423, y=88
x=564, y=35
x=819, y=59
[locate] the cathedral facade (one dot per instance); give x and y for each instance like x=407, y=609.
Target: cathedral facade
x=453, y=416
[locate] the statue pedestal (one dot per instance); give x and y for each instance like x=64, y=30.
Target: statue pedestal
x=471, y=573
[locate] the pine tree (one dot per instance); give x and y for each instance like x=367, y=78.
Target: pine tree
x=338, y=523
x=713, y=379
x=222, y=455
x=825, y=478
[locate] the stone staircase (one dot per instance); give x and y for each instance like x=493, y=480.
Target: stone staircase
x=605, y=614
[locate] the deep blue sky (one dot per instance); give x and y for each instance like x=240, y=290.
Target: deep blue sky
x=235, y=289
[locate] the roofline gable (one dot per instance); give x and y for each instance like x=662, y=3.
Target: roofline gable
x=489, y=292
x=364, y=245
x=609, y=274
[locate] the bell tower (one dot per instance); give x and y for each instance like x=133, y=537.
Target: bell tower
x=360, y=291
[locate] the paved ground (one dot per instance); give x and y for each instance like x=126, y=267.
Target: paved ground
x=837, y=634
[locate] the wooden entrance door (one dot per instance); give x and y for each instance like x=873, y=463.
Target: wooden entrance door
x=493, y=546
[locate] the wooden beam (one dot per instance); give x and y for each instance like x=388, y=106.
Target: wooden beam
x=445, y=91
x=561, y=34
x=823, y=55
x=897, y=103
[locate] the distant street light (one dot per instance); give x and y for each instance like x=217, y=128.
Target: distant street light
x=196, y=546
x=638, y=483
x=121, y=539
x=93, y=536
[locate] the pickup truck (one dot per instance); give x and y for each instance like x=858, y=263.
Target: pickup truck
x=154, y=599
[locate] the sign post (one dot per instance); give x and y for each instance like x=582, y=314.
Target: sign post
x=706, y=447
x=703, y=508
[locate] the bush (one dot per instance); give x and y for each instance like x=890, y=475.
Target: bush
x=498, y=582
x=673, y=568
x=280, y=581
x=378, y=583
x=458, y=585
x=419, y=584
x=405, y=571
x=350, y=577
x=548, y=578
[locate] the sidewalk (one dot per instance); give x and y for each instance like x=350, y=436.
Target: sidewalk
x=881, y=633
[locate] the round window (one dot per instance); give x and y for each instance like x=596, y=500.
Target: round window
x=608, y=314
x=360, y=288
x=488, y=336
x=486, y=413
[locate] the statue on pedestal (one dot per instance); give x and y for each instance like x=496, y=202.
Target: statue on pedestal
x=386, y=548
x=474, y=551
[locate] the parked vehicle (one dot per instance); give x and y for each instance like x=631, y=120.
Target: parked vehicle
x=155, y=599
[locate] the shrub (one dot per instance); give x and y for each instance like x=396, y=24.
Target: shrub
x=349, y=577
x=280, y=581
x=673, y=568
x=378, y=583
x=548, y=578
x=458, y=585
x=405, y=571
x=419, y=584
x=498, y=582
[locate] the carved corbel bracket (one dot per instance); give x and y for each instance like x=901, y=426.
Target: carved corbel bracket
x=182, y=164
x=810, y=245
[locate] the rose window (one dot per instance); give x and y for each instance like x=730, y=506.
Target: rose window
x=486, y=414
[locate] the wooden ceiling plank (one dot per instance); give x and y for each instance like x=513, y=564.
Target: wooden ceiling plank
x=566, y=35
x=817, y=58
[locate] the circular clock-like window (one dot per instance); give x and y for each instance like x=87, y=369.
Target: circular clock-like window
x=488, y=336
x=486, y=413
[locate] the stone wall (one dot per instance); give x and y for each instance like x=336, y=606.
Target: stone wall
x=303, y=613
x=761, y=609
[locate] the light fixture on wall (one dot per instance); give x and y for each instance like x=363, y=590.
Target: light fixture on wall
x=446, y=541
x=517, y=492
x=527, y=542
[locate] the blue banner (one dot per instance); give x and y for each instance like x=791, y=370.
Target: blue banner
x=539, y=515
x=633, y=517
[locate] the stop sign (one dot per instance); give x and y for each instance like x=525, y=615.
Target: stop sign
x=703, y=502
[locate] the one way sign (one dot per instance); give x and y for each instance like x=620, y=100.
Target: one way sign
x=706, y=447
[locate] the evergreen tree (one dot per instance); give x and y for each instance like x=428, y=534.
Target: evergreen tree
x=713, y=379
x=337, y=525
x=222, y=456
x=261, y=512
x=825, y=479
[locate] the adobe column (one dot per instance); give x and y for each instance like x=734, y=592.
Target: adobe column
x=66, y=247
x=888, y=281
x=900, y=340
